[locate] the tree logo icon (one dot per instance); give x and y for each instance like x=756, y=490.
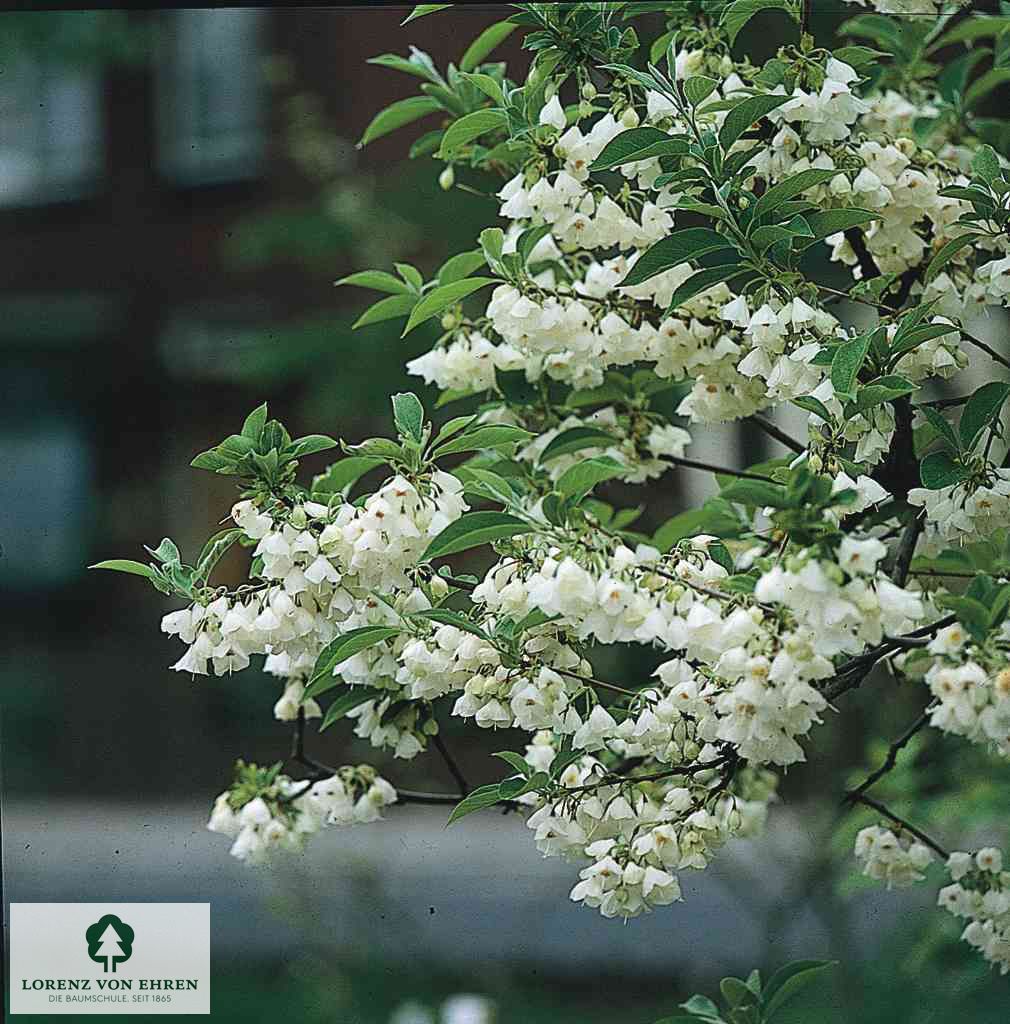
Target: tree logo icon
x=110, y=942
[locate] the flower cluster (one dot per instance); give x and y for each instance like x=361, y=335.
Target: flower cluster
x=965, y=511
x=898, y=860
x=636, y=836
x=267, y=813
x=979, y=893
x=971, y=687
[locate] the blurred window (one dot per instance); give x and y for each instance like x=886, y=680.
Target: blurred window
x=210, y=96
x=50, y=132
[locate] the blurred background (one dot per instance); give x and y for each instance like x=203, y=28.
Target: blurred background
x=178, y=192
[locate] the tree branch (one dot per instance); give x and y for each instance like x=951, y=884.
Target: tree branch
x=890, y=761
x=450, y=763
x=907, y=826
x=779, y=435
x=853, y=672
x=906, y=549
x=708, y=467
x=866, y=262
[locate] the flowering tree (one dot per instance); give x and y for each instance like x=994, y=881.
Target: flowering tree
x=666, y=209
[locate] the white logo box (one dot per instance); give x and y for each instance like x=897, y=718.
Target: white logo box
x=129, y=958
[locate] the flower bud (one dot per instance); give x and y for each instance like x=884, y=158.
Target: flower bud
x=447, y=179
x=630, y=118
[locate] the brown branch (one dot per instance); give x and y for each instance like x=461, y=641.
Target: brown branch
x=980, y=344
x=853, y=672
x=890, y=761
x=779, y=435
x=450, y=763
x=906, y=549
x=590, y=681
x=866, y=262
x=902, y=823
x=708, y=467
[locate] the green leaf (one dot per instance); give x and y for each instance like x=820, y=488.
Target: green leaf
x=575, y=439
x=442, y=297
x=411, y=275
x=847, y=362
x=469, y=127
x=420, y=10
x=810, y=404
x=461, y=265
x=942, y=426
x=487, y=85
x=982, y=410
x=938, y=470
x=947, y=253
x=675, y=249
x=883, y=389
x=452, y=427
x=408, y=415
x=386, y=309
x=701, y=1006
x=339, y=478
x=310, y=445
x=736, y=993
x=972, y=28
x=755, y=493
x=377, y=280
x=481, y=797
x=252, y=428
x=215, y=462
x=167, y=553
x=491, y=435
x=339, y=650
x=356, y=696
x=126, y=565
x=985, y=164
x=829, y=222
x=397, y=115
x=485, y=484
x=715, y=517
x=213, y=551
x=580, y=479
x=702, y=281
x=983, y=85
x=491, y=37
x=517, y=761
x=637, y=144
x=447, y=617
x=698, y=88
x=418, y=64
x=515, y=387
x=744, y=114
x=378, y=448
x=858, y=56
x=492, y=240
x=473, y=529
x=736, y=16
x=683, y=1018
x=791, y=187
x=787, y=981
x=512, y=788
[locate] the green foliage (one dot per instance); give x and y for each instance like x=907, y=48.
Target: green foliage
x=345, y=646
x=748, y=1002
x=474, y=529
x=263, y=453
